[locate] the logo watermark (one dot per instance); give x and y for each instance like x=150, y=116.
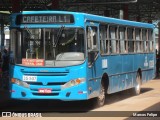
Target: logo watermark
x=18, y=114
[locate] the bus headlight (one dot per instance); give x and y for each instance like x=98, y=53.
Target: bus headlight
x=73, y=83
x=19, y=82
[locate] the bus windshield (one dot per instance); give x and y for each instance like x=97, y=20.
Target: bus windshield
x=53, y=45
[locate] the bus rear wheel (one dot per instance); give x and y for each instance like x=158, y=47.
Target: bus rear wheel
x=100, y=100
x=137, y=89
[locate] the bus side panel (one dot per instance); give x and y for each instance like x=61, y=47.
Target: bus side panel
x=148, y=69
x=152, y=65
x=116, y=69
x=120, y=70
x=128, y=70
x=122, y=75
x=114, y=64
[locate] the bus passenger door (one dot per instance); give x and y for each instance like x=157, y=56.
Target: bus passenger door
x=94, y=65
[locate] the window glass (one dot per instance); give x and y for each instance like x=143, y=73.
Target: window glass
x=113, y=39
x=103, y=40
x=137, y=33
x=122, y=39
x=145, y=40
x=50, y=45
x=92, y=38
x=130, y=40
x=150, y=39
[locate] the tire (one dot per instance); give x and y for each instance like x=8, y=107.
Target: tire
x=100, y=100
x=137, y=89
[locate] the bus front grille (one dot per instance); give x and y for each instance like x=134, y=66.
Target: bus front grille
x=49, y=83
x=47, y=94
x=53, y=89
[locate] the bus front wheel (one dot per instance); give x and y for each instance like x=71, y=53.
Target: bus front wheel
x=100, y=100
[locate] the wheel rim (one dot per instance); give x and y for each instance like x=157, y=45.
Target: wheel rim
x=138, y=86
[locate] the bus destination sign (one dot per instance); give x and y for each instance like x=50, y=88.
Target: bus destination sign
x=44, y=19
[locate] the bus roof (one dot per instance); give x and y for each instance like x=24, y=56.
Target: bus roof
x=97, y=18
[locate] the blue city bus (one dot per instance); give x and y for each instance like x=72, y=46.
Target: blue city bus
x=72, y=56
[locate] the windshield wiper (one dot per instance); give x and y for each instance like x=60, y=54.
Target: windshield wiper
x=58, y=36
x=57, y=40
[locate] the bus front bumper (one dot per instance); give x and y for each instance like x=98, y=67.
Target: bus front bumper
x=78, y=92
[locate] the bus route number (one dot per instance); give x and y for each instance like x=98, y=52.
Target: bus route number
x=30, y=78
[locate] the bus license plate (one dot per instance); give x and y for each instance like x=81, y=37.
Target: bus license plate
x=29, y=78
x=44, y=90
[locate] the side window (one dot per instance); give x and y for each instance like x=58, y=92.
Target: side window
x=150, y=39
x=130, y=33
x=123, y=48
x=145, y=40
x=114, y=41
x=92, y=38
x=141, y=41
x=138, y=40
x=126, y=41
x=95, y=36
x=104, y=42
